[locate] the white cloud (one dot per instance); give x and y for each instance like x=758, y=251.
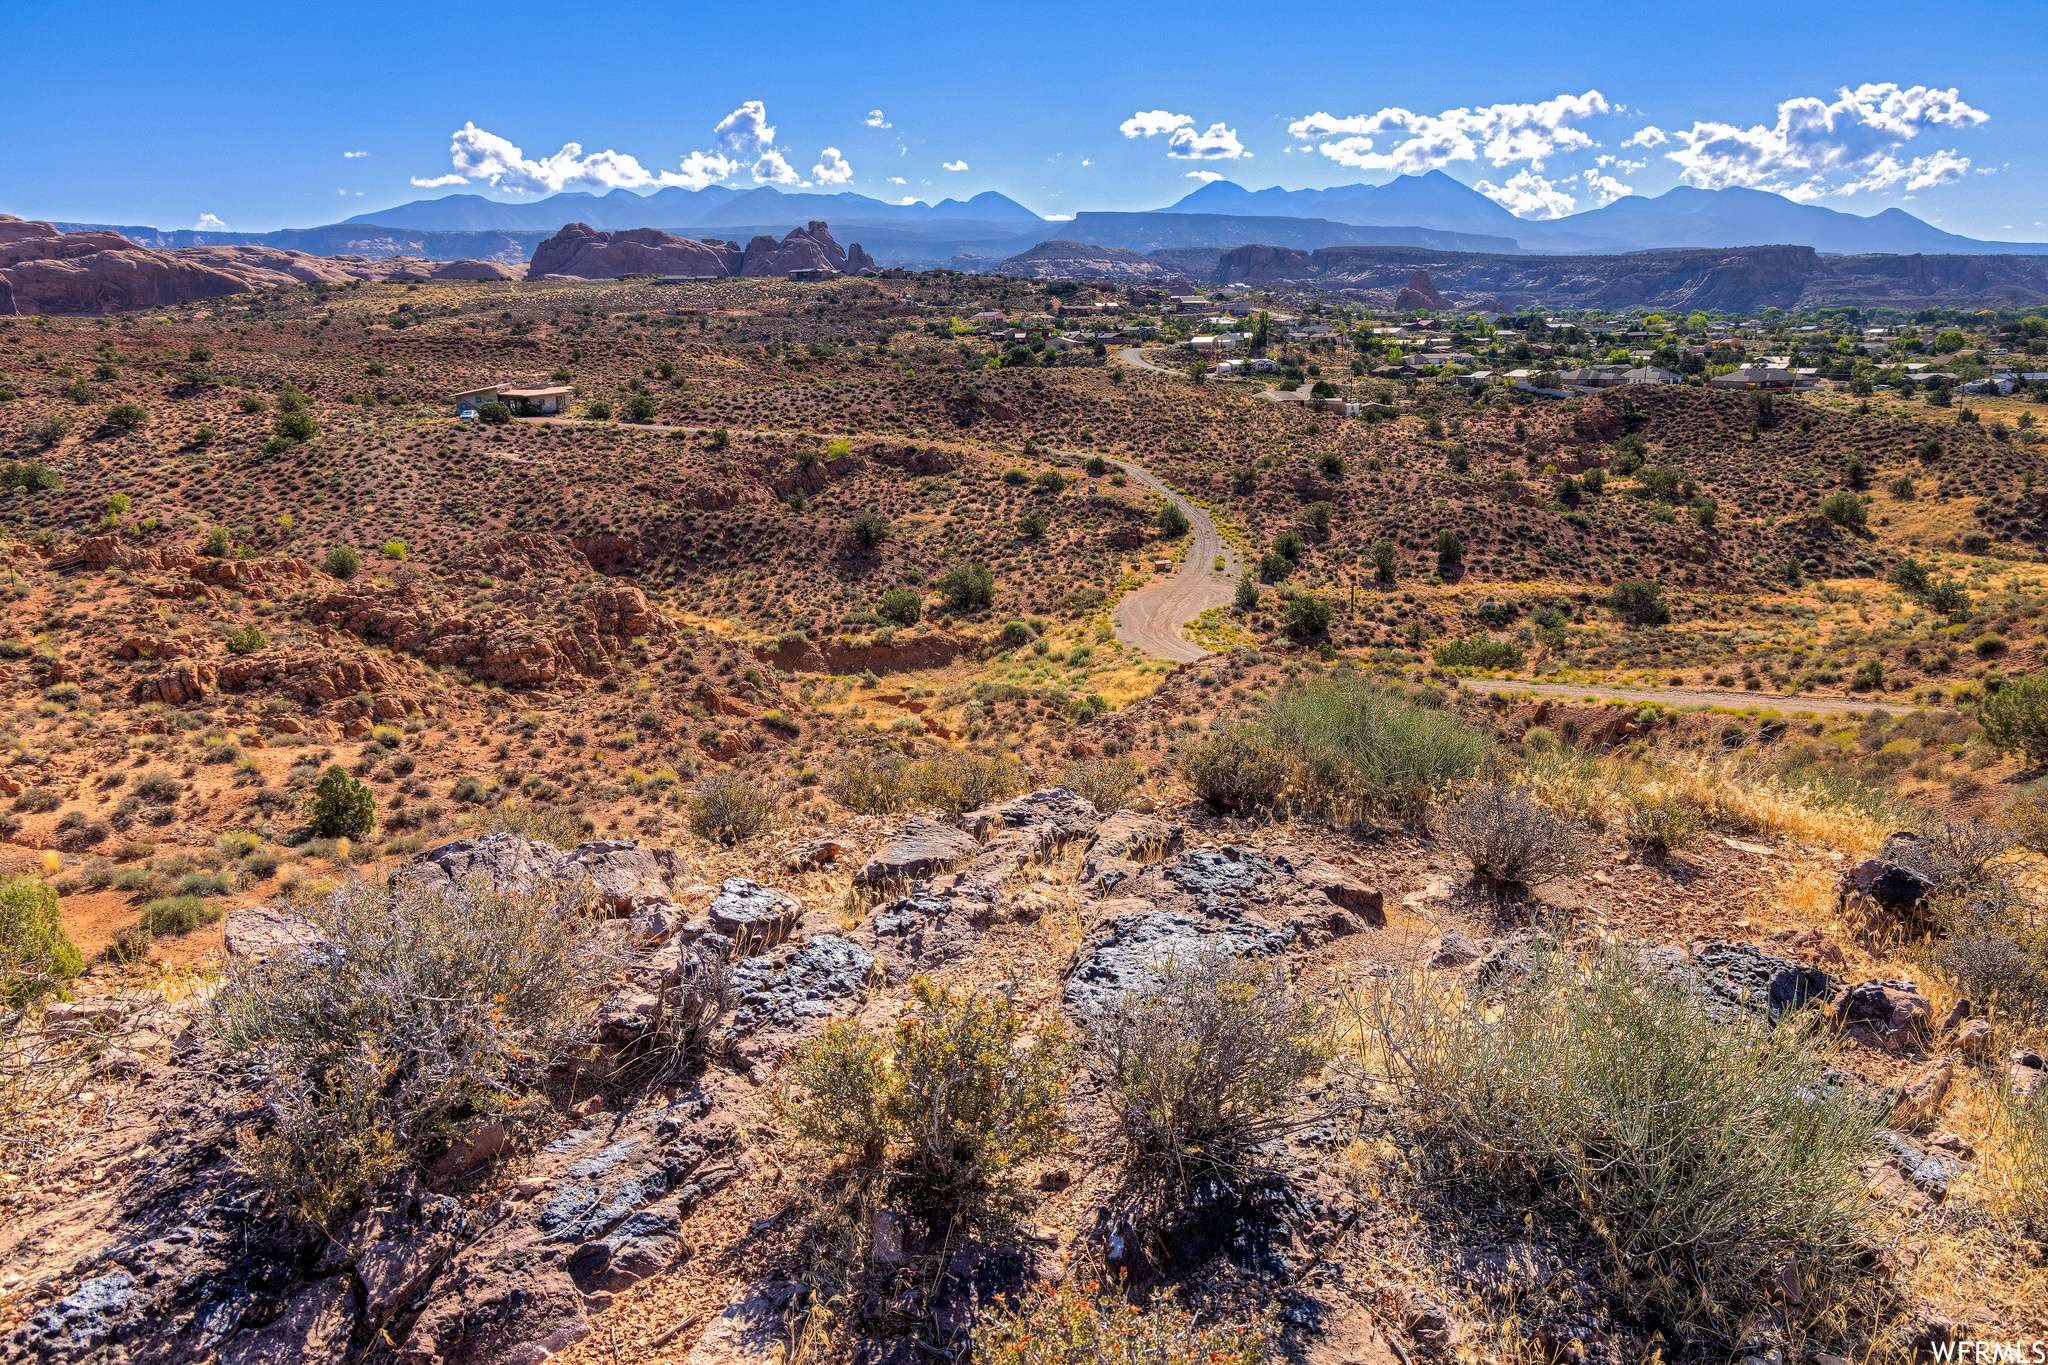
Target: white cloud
x=773, y=168
x=1605, y=189
x=1184, y=142
x=1528, y=195
x=1649, y=135
x=875, y=119
x=209, y=222
x=1205, y=176
x=1085, y=161
x=907, y=200
x=481, y=155
x=1153, y=123
x=1504, y=133
x=353, y=156
x=1059, y=217
x=746, y=130
x=1217, y=144
x=1921, y=173
x=898, y=180
x=953, y=166
x=699, y=169
x=436, y=182
x=832, y=168
x=1819, y=147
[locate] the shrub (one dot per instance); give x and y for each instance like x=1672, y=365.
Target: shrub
x=901, y=605
x=342, y=807
x=598, y=410
x=1104, y=783
x=1846, y=510
x=726, y=808
x=1034, y=523
x=429, y=1005
x=2015, y=717
x=1511, y=842
x=30, y=476
x=1173, y=523
x=126, y=416
x=869, y=530
x=1306, y=615
x=951, y=780
x=1246, y=596
x=1356, y=749
x=36, y=956
x=1236, y=770
x=1478, y=652
x=1385, y=560
x=494, y=414
x=2018, y=1174
x=1639, y=603
x=1078, y=1322
x=968, y=587
x=1450, y=549
x=1203, y=1066
x=639, y=408
x=246, y=639
x=168, y=916
x=1704, y=1153
x=954, y=1099
x=297, y=425
x=343, y=562
x=1659, y=824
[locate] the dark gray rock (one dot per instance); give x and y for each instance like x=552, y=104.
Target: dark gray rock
x=1056, y=811
x=315, y=1325
x=791, y=985
x=753, y=915
x=1122, y=844
x=503, y=863
x=1128, y=950
x=919, y=849
x=645, y=1244
x=86, y=1318
x=1732, y=977
x=1889, y=1015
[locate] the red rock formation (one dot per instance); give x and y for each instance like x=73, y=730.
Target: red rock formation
x=1419, y=292
x=43, y=270
x=586, y=253
x=583, y=251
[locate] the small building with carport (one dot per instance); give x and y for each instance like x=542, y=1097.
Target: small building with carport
x=521, y=400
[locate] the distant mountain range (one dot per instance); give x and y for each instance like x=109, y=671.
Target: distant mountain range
x=1432, y=211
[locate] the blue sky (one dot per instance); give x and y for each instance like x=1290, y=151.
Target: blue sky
x=262, y=116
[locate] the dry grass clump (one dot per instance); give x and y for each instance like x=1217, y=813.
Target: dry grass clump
x=1711, y=1157
x=1204, y=1065
x=729, y=808
x=403, y=1011
x=2016, y=1172
x=1082, y=1322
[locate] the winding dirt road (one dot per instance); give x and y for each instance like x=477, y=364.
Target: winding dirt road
x=1692, y=696
x=1150, y=618
x=1134, y=356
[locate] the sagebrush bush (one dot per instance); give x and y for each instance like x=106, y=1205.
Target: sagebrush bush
x=949, y=1103
x=36, y=956
x=1511, y=842
x=1659, y=824
x=1359, y=750
x=1705, y=1152
x=169, y=916
x=1203, y=1065
x=1104, y=783
x=412, y=1007
x=1236, y=770
x=1078, y=1321
x=727, y=808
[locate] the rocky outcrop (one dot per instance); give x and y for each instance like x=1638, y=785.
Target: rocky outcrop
x=581, y=250
x=584, y=252
x=43, y=270
x=1419, y=292
x=1062, y=260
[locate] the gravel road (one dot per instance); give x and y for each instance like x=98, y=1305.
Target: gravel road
x=1150, y=618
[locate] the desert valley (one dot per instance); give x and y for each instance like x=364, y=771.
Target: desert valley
x=1269, y=780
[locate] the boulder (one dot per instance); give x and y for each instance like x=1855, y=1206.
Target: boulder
x=1891, y=1016
x=1122, y=843
x=622, y=874
x=751, y=1330
x=1890, y=890
x=505, y=864
x=752, y=915
x=794, y=984
x=921, y=847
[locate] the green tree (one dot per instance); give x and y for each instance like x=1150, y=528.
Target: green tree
x=901, y=605
x=1450, y=549
x=36, y=956
x=968, y=587
x=1846, y=510
x=1307, y=615
x=1639, y=603
x=1385, y=561
x=639, y=408
x=2015, y=717
x=869, y=530
x=344, y=561
x=1173, y=523
x=342, y=808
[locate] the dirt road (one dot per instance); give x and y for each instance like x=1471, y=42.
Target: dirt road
x=1134, y=356
x=1150, y=618
x=1693, y=696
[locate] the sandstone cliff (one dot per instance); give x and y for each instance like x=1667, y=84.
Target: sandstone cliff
x=43, y=270
x=586, y=253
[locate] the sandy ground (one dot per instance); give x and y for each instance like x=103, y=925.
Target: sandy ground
x=1693, y=696
x=1150, y=619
